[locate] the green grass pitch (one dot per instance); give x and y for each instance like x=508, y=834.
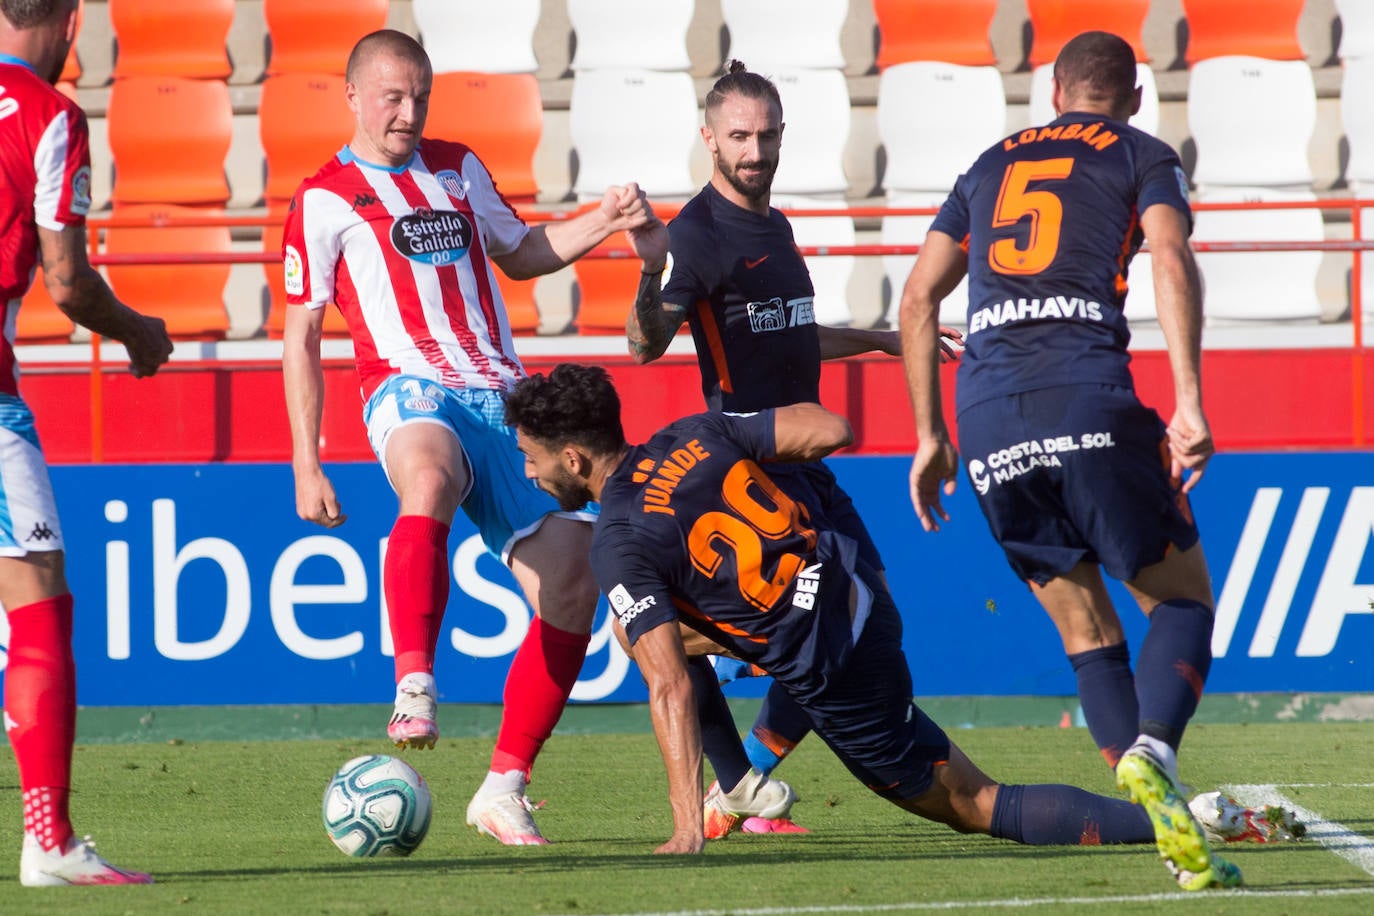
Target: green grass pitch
x=234, y=827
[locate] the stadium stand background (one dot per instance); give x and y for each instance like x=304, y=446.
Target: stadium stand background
x=707, y=41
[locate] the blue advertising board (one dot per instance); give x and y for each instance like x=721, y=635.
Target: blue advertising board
x=198, y=585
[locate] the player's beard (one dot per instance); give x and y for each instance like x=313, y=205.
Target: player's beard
x=755, y=186
x=572, y=494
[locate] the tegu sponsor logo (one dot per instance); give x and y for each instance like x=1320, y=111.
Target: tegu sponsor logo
x=434, y=237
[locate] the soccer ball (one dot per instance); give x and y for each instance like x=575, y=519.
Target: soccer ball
x=376, y=806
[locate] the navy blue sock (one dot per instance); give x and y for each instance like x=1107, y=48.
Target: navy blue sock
x=781, y=723
x=719, y=737
x=1172, y=667
x=1107, y=691
x=1047, y=815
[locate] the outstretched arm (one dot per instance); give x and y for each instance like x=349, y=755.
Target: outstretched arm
x=553, y=246
x=808, y=432
x=81, y=293
x=837, y=343
x=1178, y=300
x=939, y=268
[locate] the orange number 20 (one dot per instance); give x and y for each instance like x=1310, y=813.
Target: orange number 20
x=1046, y=214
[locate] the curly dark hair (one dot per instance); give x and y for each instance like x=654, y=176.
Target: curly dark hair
x=573, y=404
x=25, y=14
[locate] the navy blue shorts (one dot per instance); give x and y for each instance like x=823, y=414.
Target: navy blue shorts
x=1077, y=473
x=868, y=718
x=814, y=484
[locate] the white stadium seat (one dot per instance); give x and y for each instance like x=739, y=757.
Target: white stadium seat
x=772, y=34
x=634, y=125
x=934, y=119
x=1259, y=286
x=911, y=230
x=1357, y=114
x=462, y=35
x=1042, y=106
x=829, y=273
x=622, y=34
x=1357, y=28
x=1252, y=119
x=815, y=108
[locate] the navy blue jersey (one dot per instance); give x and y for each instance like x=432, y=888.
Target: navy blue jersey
x=693, y=529
x=748, y=297
x=1050, y=220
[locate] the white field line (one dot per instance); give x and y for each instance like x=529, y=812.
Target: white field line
x=1018, y=903
x=1337, y=838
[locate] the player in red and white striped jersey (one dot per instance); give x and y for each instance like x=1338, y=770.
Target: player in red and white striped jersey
x=404, y=235
x=45, y=191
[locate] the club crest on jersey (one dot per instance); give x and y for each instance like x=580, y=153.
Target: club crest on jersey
x=776, y=315
x=433, y=237
x=453, y=186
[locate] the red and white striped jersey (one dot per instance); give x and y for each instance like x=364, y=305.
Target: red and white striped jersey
x=405, y=253
x=45, y=180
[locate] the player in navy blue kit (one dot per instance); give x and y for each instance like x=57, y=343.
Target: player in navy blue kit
x=1073, y=473
x=694, y=531
x=740, y=283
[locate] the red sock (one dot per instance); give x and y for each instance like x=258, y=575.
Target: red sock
x=541, y=677
x=40, y=713
x=415, y=582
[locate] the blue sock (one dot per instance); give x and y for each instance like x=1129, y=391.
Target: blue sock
x=1174, y=660
x=780, y=725
x=719, y=737
x=1106, y=689
x=1047, y=815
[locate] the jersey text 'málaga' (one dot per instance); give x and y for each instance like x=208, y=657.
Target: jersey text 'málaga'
x=693, y=528
x=748, y=297
x=406, y=255
x=1050, y=218
x=45, y=180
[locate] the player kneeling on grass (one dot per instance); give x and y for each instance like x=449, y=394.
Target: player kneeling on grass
x=693, y=529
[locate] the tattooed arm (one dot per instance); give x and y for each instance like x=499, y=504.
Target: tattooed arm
x=652, y=322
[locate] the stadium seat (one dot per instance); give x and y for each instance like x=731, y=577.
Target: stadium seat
x=307, y=39
x=934, y=119
x=606, y=286
x=1259, y=286
x=1042, y=105
x=189, y=297
x=478, y=35
x=830, y=273
x=1357, y=115
x=1357, y=28
x=185, y=38
x=1054, y=22
x=295, y=147
x=519, y=298
x=815, y=106
x=634, y=125
x=169, y=137
x=71, y=67
x=772, y=35
x=620, y=34
x=911, y=230
x=1251, y=119
x=40, y=321
x=1253, y=28
x=500, y=116
x=953, y=31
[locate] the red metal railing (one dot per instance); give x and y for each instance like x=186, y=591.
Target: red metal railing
x=1355, y=245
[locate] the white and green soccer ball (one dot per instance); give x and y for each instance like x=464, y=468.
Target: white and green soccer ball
x=377, y=806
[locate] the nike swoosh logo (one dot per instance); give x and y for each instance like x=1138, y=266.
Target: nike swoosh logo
x=750, y=265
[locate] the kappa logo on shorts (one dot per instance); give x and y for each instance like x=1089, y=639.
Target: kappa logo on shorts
x=40, y=532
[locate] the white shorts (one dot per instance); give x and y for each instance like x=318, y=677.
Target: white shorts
x=28, y=512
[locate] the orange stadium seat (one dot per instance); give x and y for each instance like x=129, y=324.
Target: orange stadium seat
x=40, y=321
x=521, y=310
x=1254, y=28
x=296, y=147
x=169, y=137
x=606, y=286
x=953, y=31
x=1054, y=22
x=189, y=297
x=186, y=38
x=334, y=325
x=500, y=116
x=310, y=37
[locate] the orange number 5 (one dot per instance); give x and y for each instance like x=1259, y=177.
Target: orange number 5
x=1046, y=214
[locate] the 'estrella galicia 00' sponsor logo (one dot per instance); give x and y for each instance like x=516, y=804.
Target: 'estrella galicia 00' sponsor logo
x=434, y=237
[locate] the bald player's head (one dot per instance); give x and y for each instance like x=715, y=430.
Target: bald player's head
x=389, y=42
